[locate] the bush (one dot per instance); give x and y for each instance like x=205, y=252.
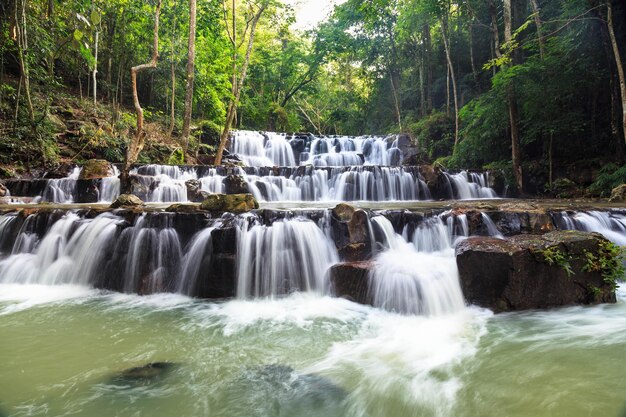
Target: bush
x=610, y=177
x=435, y=134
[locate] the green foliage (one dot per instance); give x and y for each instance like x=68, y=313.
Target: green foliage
x=435, y=134
x=609, y=261
x=177, y=157
x=554, y=256
x=610, y=177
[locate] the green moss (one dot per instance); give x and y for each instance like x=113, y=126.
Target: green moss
x=554, y=256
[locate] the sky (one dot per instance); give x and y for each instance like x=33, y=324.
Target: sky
x=310, y=12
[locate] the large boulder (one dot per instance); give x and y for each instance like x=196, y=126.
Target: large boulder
x=4, y=191
x=96, y=168
x=127, y=200
x=618, y=194
x=350, y=280
x=233, y=203
x=535, y=271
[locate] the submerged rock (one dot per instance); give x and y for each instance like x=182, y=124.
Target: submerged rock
x=533, y=271
x=232, y=203
x=96, y=168
x=278, y=390
x=145, y=374
x=127, y=200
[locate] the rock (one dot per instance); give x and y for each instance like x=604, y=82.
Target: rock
x=236, y=184
x=278, y=390
x=350, y=280
x=194, y=192
x=532, y=271
x=344, y=211
x=618, y=194
x=87, y=191
x=232, y=203
x=565, y=188
x=145, y=374
x=4, y=191
x=127, y=200
x=183, y=208
x=96, y=168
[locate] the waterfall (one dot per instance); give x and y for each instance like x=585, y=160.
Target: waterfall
x=492, y=230
x=290, y=255
x=470, y=185
x=419, y=278
x=197, y=254
x=110, y=187
x=262, y=149
x=610, y=225
x=70, y=253
x=61, y=190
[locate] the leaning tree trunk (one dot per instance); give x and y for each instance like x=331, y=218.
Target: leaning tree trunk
x=95, y=68
x=22, y=46
x=539, y=25
x=137, y=141
x=234, y=101
x=618, y=63
x=191, y=55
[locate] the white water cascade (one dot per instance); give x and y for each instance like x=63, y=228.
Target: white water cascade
x=262, y=149
x=470, y=185
x=611, y=225
x=61, y=190
x=290, y=255
x=416, y=280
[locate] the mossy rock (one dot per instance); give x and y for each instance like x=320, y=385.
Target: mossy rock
x=96, y=168
x=127, y=200
x=618, y=194
x=233, y=203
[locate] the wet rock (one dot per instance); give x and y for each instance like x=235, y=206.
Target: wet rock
x=194, y=192
x=4, y=191
x=278, y=390
x=351, y=232
x=96, y=168
x=350, y=280
x=618, y=194
x=183, y=208
x=236, y=184
x=127, y=200
x=232, y=203
x=344, y=211
x=145, y=374
x=87, y=191
x=408, y=145
x=436, y=181
x=532, y=271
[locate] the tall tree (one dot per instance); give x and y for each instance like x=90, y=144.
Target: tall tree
x=138, y=140
x=516, y=152
x=618, y=63
x=191, y=57
x=238, y=81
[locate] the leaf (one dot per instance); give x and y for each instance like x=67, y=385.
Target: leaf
x=95, y=18
x=78, y=35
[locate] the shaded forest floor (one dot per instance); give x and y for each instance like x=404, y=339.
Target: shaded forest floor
x=71, y=130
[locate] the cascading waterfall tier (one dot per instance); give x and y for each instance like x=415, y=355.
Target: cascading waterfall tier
x=418, y=276
x=276, y=149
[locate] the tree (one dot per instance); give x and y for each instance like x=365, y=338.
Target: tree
x=238, y=78
x=137, y=142
x=191, y=56
x=618, y=63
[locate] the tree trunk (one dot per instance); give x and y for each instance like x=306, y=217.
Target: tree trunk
x=173, y=79
x=22, y=46
x=446, y=44
x=471, y=48
x=538, y=24
x=618, y=63
x=395, y=100
x=234, y=101
x=137, y=141
x=429, y=67
x=513, y=110
x=493, y=12
x=95, y=68
x=191, y=55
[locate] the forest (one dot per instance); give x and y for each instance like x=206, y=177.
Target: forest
x=533, y=88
